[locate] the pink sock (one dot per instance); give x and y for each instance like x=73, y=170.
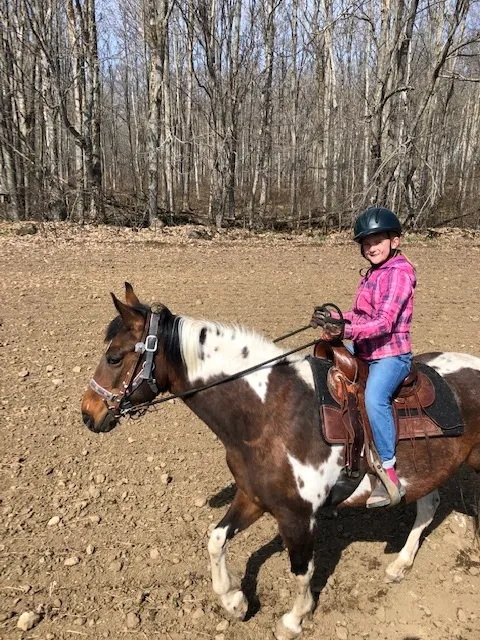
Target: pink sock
x=392, y=474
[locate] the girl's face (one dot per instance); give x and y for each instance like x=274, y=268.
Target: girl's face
x=377, y=247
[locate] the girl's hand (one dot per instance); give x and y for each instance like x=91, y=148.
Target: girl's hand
x=332, y=330
x=319, y=317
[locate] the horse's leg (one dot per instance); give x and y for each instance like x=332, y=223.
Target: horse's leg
x=426, y=508
x=297, y=534
x=241, y=514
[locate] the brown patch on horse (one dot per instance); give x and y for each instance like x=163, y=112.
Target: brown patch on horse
x=245, y=352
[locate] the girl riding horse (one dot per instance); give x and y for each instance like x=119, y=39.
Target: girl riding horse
x=379, y=325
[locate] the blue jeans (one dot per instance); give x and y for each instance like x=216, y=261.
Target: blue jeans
x=384, y=377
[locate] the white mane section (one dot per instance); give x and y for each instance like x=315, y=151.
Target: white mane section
x=227, y=349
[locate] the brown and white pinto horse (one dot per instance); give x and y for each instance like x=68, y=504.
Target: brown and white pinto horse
x=268, y=422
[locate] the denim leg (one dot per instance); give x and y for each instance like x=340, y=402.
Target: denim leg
x=384, y=376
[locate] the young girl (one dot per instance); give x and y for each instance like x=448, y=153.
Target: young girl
x=379, y=325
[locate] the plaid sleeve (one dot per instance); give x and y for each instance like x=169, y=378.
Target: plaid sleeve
x=394, y=290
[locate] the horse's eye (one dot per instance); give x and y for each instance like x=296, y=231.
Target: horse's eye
x=114, y=359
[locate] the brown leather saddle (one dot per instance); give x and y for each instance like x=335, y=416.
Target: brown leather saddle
x=348, y=422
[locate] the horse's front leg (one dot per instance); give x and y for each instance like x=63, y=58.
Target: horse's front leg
x=241, y=514
x=297, y=533
x=426, y=508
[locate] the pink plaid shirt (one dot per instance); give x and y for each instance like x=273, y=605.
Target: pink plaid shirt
x=382, y=313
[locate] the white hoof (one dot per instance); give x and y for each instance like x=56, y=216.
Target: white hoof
x=282, y=632
x=235, y=603
x=395, y=572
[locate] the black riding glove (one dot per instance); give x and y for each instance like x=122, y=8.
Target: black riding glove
x=332, y=328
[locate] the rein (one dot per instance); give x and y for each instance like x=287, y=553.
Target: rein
x=234, y=376
x=149, y=345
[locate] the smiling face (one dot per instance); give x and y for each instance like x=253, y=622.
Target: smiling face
x=377, y=248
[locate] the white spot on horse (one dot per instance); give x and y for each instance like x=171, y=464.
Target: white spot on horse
x=363, y=489
x=312, y=482
x=291, y=623
x=216, y=544
x=234, y=350
x=303, y=369
x=450, y=362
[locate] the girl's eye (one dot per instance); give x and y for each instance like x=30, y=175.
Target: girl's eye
x=114, y=359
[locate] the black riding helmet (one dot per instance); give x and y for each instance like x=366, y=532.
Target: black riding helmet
x=376, y=220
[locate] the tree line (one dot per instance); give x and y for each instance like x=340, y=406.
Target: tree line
x=296, y=112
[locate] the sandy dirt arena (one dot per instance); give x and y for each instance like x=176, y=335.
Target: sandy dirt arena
x=105, y=535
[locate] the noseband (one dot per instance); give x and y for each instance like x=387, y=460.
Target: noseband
x=119, y=403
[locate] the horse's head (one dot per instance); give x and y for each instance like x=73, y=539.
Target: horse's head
x=133, y=369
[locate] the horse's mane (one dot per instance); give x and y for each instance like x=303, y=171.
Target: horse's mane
x=227, y=341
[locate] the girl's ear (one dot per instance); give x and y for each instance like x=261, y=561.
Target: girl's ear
x=395, y=242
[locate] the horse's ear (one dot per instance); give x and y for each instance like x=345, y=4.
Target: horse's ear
x=133, y=319
x=130, y=296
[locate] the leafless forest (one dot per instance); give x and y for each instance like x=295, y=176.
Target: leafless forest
x=296, y=112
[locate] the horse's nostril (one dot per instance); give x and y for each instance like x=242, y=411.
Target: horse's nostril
x=87, y=420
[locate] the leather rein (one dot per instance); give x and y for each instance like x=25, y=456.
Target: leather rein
x=119, y=403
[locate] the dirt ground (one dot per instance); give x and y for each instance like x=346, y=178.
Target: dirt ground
x=93, y=538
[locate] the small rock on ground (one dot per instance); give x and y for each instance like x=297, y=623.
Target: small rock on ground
x=132, y=621
x=28, y=620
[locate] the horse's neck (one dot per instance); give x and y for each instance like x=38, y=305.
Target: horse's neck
x=246, y=413
x=211, y=352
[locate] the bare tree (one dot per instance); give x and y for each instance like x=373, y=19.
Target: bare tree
x=304, y=111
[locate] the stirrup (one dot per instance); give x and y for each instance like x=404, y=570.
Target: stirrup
x=380, y=497
x=390, y=487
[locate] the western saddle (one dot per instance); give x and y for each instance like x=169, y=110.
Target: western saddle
x=348, y=424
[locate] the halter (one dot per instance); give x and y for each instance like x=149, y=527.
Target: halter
x=119, y=403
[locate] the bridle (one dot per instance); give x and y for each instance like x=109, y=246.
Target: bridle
x=119, y=403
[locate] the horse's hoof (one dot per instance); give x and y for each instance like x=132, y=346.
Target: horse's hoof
x=395, y=573
x=282, y=632
x=236, y=604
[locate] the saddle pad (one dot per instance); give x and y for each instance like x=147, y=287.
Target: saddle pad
x=445, y=410
x=320, y=369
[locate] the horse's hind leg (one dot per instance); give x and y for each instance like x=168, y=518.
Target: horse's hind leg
x=298, y=537
x=241, y=514
x=426, y=508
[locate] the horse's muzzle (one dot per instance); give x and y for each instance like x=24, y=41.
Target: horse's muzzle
x=107, y=423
